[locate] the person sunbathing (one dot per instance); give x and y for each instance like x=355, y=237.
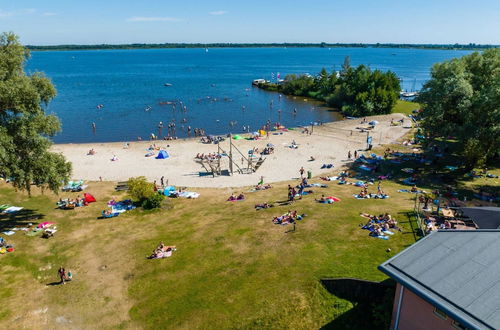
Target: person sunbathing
x=91, y=152
x=414, y=189
x=231, y=198
x=321, y=200
x=240, y=197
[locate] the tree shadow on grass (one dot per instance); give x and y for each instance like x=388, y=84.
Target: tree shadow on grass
x=444, y=174
x=21, y=218
x=372, y=303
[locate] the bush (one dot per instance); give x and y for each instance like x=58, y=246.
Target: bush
x=140, y=189
x=153, y=202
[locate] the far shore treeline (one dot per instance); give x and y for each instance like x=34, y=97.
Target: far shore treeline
x=470, y=46
x=357, y=91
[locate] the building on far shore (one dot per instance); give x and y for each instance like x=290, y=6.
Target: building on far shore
x=449, y=279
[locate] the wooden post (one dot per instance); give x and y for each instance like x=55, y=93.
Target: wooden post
x=230, y=153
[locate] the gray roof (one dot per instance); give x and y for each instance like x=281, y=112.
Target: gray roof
x=456, y=271
x=485, y=217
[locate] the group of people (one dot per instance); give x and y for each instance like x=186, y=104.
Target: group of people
x=199, y=132
x=162, y=251
x=234, y=198
x=289, y=217
x=349, y=154
x=210, y=156
x=380, y=225
x=64, y=275
x=71, y=203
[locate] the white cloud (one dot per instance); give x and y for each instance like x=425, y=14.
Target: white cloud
x=152, y=19
x=218, y=12
x=49, y=14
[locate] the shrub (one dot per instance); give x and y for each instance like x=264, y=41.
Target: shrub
x=153, y=202
x=140, y=189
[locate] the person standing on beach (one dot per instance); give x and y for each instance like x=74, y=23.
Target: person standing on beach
x=349, y=155
x=62, y=274
x=355, y=154
x=160, y=128
x=161, y=181
x=301, y=171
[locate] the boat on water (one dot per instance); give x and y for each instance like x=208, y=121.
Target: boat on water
x=167, y=84
x=256, y=82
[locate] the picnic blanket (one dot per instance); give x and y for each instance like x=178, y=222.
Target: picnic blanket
x=189, y=194
x=12, y=209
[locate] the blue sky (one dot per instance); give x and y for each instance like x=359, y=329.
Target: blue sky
x=147, y=21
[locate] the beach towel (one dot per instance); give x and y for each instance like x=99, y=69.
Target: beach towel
x=366, y=168
x=357, y=197
x=189, y=194
x=45, y=224
x=331, y=178
x=382, y=237
x=13, y=209
x=9, y=232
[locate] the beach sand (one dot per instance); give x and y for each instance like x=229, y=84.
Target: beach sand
x=328, y=144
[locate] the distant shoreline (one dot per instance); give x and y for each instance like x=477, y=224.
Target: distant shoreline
x=259, y=45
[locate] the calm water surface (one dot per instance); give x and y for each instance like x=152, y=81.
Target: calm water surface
x=127, y=82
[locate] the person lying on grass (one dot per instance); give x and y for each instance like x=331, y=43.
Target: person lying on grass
x=162, y=251
x=383, y=221
x=233, y=198
x=263, y=206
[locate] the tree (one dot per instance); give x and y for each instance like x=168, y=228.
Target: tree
x=347, y=64
x=24, y=127
x=462, y=100
x=144, y=194
x=140, y=189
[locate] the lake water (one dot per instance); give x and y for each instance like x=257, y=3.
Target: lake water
x=127, y=82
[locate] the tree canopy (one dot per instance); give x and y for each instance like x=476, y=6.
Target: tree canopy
x=462, y=101
x=24, y=127
x=356, y=91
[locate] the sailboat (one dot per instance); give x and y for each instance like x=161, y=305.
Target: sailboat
x=206, y=50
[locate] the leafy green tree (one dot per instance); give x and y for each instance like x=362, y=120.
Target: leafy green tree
x=140, y=189
x=24, y=127
x=462, y=100
x=143, y=193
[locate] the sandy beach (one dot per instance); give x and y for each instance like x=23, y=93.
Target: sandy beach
x=328, y=144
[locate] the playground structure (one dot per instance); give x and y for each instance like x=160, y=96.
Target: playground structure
x=226, y=164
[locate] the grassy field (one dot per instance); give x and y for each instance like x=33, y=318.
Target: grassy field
x=233, y=267
x=405, y=107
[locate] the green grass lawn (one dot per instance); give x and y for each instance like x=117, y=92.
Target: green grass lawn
x=405, y=107
x=233, y=267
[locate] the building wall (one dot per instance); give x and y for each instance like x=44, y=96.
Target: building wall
x=416, y=313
